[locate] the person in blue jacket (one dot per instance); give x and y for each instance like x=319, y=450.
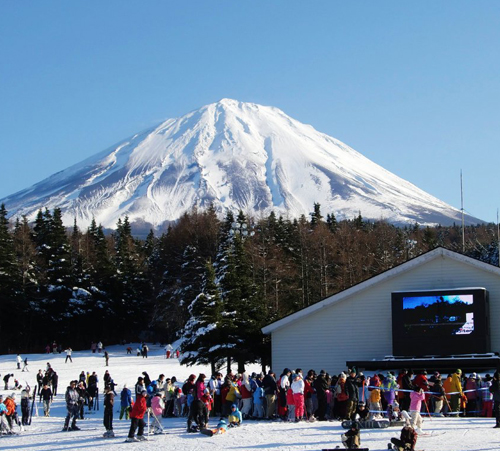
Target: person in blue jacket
x=235, y=418
x=125, y=402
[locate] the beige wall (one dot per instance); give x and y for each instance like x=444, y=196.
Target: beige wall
x=359, y=327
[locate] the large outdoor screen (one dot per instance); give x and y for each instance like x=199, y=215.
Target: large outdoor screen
x=440, y=322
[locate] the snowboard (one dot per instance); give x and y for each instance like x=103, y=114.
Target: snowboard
x=368, y=424
x=400, y=423
x=208, y=432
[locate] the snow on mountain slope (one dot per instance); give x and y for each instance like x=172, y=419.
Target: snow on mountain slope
x=237, y=156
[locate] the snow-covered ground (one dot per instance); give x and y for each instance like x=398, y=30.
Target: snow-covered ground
x=461, y=434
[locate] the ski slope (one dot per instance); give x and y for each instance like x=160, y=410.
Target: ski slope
x=461, y=434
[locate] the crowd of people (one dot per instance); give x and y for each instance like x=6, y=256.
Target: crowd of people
x=292, y=397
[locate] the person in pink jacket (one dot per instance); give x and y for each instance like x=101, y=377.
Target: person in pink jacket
x=416, y=398
x=157, y=405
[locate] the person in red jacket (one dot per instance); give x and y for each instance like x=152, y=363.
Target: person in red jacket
x=137, y=418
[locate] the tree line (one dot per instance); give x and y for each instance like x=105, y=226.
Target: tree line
x=213, y=281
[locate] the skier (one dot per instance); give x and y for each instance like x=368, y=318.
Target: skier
x=68, y=355
x=4, y=425
x=72, y=398
x=106, y=357
x=406, y=442
x=168, y=351
x=25, y=365
x=19, y=360
x=137, y=417
x=109, y=400
x=417, y=396
x=11, y=415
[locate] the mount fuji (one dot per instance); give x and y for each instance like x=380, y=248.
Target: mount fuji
x=233, y=155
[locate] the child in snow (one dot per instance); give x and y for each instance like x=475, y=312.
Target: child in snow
x=352, y=439
x=235, y=418
x=407, y=440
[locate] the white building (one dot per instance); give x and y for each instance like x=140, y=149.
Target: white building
x=356, y=324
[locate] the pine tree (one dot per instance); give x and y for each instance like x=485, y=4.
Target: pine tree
x=9, y=285
x=244, y=311
x=203, y=332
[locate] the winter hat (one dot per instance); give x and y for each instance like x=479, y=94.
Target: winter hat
x=144, y=392
x=395, y=404
x=459, y=371
x=473, y=376
x=342, y=375
x=322, y=372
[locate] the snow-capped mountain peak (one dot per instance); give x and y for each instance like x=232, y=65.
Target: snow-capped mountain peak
x=234, y=155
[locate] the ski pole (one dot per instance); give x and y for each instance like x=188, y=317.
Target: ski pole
x=427, y=408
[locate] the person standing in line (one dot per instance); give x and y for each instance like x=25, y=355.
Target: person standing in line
x=495, y=391
x=456, y=391
x=68, y=355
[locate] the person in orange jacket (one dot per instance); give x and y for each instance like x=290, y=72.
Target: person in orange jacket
x=10, y=404
x=456, y=390
x=137, y=417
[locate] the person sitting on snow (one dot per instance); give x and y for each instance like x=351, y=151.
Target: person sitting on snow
x=352, y=438
x=362, y=413
x=407, y=440
x=235, y=418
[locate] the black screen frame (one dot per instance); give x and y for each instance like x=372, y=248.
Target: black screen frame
x=478, y=342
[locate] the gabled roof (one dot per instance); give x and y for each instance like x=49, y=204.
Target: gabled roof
x=389, y=274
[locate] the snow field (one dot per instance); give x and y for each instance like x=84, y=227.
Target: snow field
x=461, y=434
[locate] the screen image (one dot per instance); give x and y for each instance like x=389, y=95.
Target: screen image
x=440, y=322
x=439, y=315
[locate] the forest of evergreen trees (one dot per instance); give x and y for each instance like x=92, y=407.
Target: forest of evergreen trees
x=214, y=281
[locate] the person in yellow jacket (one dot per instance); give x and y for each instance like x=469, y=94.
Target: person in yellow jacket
x=456, y=390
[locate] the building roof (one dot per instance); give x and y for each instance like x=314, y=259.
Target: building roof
x=393, y=272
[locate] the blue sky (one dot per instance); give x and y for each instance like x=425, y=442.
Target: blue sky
x=414, y=86
x=415, y=301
